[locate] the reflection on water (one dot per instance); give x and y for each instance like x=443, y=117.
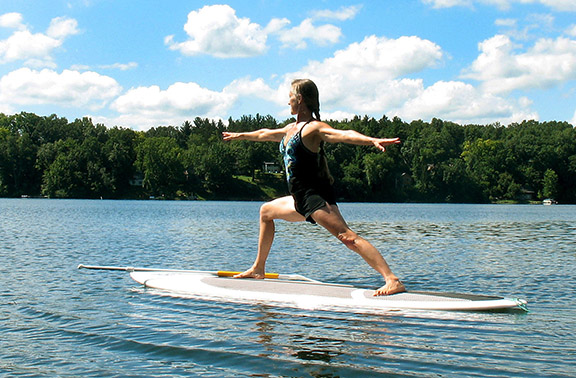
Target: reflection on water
x=58, y=321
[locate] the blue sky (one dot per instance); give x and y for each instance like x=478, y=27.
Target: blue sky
x=148, y=63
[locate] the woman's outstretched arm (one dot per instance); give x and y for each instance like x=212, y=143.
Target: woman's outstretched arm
x=332, y=135
x=261, y=135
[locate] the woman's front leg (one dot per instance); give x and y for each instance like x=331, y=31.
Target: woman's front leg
x=281, y=208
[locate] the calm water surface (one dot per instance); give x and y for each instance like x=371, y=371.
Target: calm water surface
x=58, y=321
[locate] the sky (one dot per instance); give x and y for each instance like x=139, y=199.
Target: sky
x=147, y=63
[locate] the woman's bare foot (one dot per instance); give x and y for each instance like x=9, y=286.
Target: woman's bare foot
x=251, y=273
x=392, y=287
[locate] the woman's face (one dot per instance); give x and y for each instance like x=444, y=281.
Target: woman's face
x=293, y=102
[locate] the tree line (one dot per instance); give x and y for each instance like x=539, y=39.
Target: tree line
x=437, y=161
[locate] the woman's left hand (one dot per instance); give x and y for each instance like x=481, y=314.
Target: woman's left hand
x=381, y=143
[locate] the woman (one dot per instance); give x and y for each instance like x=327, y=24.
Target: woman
x=309, y=182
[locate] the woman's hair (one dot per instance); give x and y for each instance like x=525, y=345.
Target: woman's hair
x=309, y=92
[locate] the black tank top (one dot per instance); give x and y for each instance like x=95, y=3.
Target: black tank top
x=303, y=167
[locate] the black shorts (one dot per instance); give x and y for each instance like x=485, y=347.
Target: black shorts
x=307, y=201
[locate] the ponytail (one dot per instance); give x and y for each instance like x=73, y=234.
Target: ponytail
x=316, y=114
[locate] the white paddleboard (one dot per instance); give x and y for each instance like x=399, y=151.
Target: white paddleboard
x=313, y=294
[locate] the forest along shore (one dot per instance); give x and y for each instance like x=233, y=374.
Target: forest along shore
x=438, y=161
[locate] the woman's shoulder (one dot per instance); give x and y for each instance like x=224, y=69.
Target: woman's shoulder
x=318, y=125
x=313, y=132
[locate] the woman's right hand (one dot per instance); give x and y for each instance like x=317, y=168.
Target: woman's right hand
x=226, y=136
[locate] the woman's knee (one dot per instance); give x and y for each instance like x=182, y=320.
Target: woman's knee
x=266, y=212
x=349, y=238
x=281, y=208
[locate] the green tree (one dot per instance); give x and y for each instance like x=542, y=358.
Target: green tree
x=18, y=173
x=380, y=176
x=550, y=184
x=119, y=155
x=6, y=160
x=459, y=186
x=430, y=150
x=485, y=161
x=74, y=169
x=62, y=169
x=214, y=167
x=159, y=160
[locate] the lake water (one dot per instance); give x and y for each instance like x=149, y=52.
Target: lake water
x=58, y=321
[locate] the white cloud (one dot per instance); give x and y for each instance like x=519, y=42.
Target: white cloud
x=386, y=58
x=113, y=66
x=447, y=3
x=247, y=87
x=276, y=24
x=507, y=22
x=120, y=66
x=571, y=31
x=367, y=76
x=573, y=121
x=6, y=109
x=548, y=63
x=298, y=36
x=216, y=30
x=80, y=67
x=529, y=29
x=463, y=103
x=370, y=78
x=338, y=115
x=68, y=89
x=342, y=14
x=180, y=101
x=12, y=21
x=62, y=27
x=34, y=49
x=559, y=5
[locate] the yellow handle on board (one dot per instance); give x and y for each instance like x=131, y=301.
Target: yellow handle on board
x=224, y=273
